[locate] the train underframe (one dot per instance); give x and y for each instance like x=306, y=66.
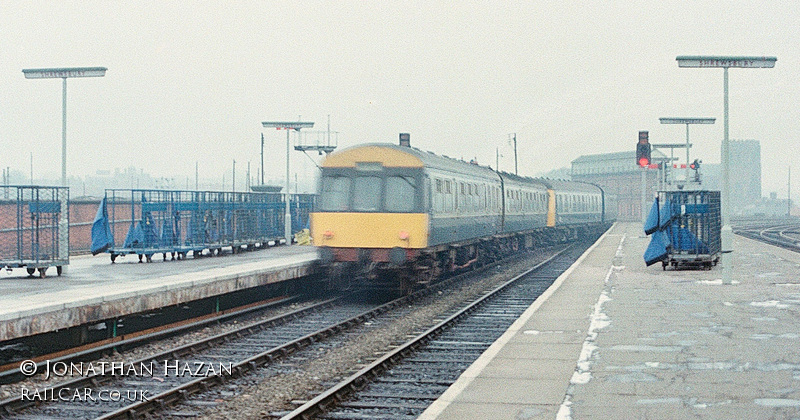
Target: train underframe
x=406, y=270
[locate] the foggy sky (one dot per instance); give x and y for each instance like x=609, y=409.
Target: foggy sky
x=192, y=81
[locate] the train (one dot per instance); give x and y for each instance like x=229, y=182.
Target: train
x=391, y=216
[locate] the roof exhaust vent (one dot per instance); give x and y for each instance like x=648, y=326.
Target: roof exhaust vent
x=405, y=139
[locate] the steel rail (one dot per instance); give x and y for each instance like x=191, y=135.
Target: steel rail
x=14, y=404
x=14, y=374
x=170, y=397
x=773, y=235
x=360, y=379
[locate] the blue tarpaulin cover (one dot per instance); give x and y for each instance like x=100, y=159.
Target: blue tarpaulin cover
x=666, y=213
x=135, y=236
x=685, y=240
x=659, y=216
x=101, y=233
x=658, y=248
x=651, y=224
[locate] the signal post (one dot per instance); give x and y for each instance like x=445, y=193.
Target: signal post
x=287, y=125
x=643, y=150
x=687, y=121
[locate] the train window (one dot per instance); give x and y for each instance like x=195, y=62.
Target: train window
x=367, y=193
x=335, y=193
x=448, y=201
x=438, y=185
x=400, y=191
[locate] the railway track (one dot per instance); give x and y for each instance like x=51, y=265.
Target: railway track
x=93, y=379
x=404, y=381
x=175, y=375
x=785, y=234
x=10, y=373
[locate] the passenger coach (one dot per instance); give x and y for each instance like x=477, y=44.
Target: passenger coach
x=392, y=216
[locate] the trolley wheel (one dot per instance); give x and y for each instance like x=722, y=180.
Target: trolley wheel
x=30, y=271
x=113, y=258
x=664, y=265
x=181, y=255
x=140, y=258
x=59, y=270
x=42, y=270
x=149, y=257
x=165, y=256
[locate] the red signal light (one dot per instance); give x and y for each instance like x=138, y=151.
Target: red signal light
x=644, y=162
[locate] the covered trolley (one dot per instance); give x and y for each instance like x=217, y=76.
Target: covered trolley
x=686, y=229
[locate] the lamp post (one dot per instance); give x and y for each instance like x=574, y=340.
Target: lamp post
x=687, y=121
x=283, y=125
x=725, y=63
x=64, y=73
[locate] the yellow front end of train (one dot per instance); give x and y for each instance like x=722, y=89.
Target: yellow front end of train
x=369, y=236
x=371, y=206
x=370, y=230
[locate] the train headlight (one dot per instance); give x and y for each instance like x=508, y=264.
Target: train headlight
x=403, y=235
x=328, y=234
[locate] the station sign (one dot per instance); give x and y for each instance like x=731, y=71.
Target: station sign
x=687, y=120
x=722, y=61
x=287, y=125
x=62, y=73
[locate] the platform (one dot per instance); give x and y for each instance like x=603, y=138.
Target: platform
x=93, y=289
x=615, y=339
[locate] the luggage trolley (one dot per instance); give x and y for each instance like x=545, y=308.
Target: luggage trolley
x=148, y=222
x=686, y=227
x=34, y=228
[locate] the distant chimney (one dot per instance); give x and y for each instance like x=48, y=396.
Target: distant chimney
x=405, y=139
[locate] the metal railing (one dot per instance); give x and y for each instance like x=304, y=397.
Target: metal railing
x=34, y=227
x=147, y=222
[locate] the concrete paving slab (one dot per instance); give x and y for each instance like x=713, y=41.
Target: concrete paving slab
x=540, y=351
x=93, y=289
x=653, y=344
x=514, y=391
x=467, y=410
x=530, y=369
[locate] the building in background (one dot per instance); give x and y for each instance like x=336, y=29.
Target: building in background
x=745, y=178
x=619, y=175
x=745, y=164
